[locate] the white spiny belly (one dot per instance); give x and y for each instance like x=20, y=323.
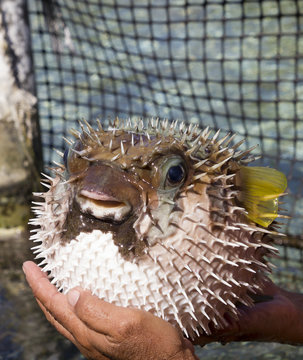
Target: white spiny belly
x=93, y=262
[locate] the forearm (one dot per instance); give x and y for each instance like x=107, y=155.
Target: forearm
x=294, y=334
x=279, y=319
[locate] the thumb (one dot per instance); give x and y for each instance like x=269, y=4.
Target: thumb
x=73, y=296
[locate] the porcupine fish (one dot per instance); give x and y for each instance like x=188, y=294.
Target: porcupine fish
x=159, y=216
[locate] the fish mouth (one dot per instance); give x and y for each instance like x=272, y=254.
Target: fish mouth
x=103, y=206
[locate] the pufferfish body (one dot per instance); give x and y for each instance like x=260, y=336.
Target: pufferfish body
x=162, y=217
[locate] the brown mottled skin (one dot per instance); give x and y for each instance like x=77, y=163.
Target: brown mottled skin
x=137, y=184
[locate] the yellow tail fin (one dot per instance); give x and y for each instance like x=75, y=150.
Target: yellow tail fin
x=260, y=190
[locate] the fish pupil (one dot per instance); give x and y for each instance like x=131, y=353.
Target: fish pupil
x=175, y=174
x=65, y=157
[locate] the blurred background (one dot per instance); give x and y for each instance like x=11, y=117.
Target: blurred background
x=236, y=65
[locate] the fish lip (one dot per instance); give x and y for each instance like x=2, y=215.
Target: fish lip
x=99, y=196
x=103, y=206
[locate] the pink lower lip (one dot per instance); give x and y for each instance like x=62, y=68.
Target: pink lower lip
x=97, y=196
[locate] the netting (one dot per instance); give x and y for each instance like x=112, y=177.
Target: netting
x=234, y=65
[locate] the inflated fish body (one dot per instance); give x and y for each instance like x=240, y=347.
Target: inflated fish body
x=159, y=216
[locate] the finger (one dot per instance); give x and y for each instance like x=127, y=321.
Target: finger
x=30, y=269
x=56, y=324
x=84, y=349
x=34, y=275
x=97, y=318
x=54, y=304
x=101, y=316
x=58, y=311
x=38, y=281
x=125, y=327
x=43, y=290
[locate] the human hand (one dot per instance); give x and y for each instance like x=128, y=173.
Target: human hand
x=278, y=319
x=104, y=331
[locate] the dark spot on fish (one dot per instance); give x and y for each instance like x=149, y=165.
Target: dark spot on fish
x=124, y=235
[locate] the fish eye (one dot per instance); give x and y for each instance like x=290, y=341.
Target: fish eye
x=172, y=172
x=175, y=174
x=73, y=162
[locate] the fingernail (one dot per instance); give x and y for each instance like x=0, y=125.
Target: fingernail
x=24, y=267
x=73, y=297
